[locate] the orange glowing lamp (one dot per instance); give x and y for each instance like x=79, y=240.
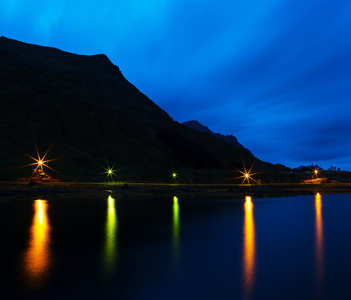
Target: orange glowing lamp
x=315, y=172
x=247, y=175
x=40, y=162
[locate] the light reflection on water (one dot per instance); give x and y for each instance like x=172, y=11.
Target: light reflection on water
x=319, y=244
x=175, y=228
x=291, y=247
x=37, y=258
x=249, y=258
x=110, y=254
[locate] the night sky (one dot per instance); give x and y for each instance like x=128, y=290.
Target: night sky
x=275, y=74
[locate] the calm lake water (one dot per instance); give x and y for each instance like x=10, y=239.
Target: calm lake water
x=104, y=247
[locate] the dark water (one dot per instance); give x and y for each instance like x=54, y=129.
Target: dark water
x=148, y=248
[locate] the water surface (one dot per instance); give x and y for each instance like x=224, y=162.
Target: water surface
x=97, y=247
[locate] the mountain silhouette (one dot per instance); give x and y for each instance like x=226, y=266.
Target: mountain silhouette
x=196, y=125
x=83, y=109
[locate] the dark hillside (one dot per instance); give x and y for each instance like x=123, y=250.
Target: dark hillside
x=94, y=116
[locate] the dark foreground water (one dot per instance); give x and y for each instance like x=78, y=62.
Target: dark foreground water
x=103, y=247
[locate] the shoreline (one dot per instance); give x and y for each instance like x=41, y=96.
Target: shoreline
x=27, y=189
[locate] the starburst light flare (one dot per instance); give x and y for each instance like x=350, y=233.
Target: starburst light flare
x=247, y=175
x=174, y=175
x=40, y=162
x=110, y=172
x=315, y=172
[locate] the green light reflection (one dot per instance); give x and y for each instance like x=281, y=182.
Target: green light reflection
x=111, y=234
x=175, y=227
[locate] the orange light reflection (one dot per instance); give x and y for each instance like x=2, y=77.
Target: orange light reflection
x=248, y=248
x=319, y=243
x=37, y=257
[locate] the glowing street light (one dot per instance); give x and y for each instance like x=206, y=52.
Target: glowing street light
x=315, y=172
x=174, y=175
x=40, y=162
x=247, y=175
x=110, y=172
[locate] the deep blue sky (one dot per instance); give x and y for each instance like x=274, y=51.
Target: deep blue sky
x=276, y=74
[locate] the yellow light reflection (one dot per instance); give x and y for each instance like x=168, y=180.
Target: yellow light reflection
x=175, y=227
x=319, y=242
x=37, y=257
x=111, y=233
x=248, y=248
x=175, y=200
